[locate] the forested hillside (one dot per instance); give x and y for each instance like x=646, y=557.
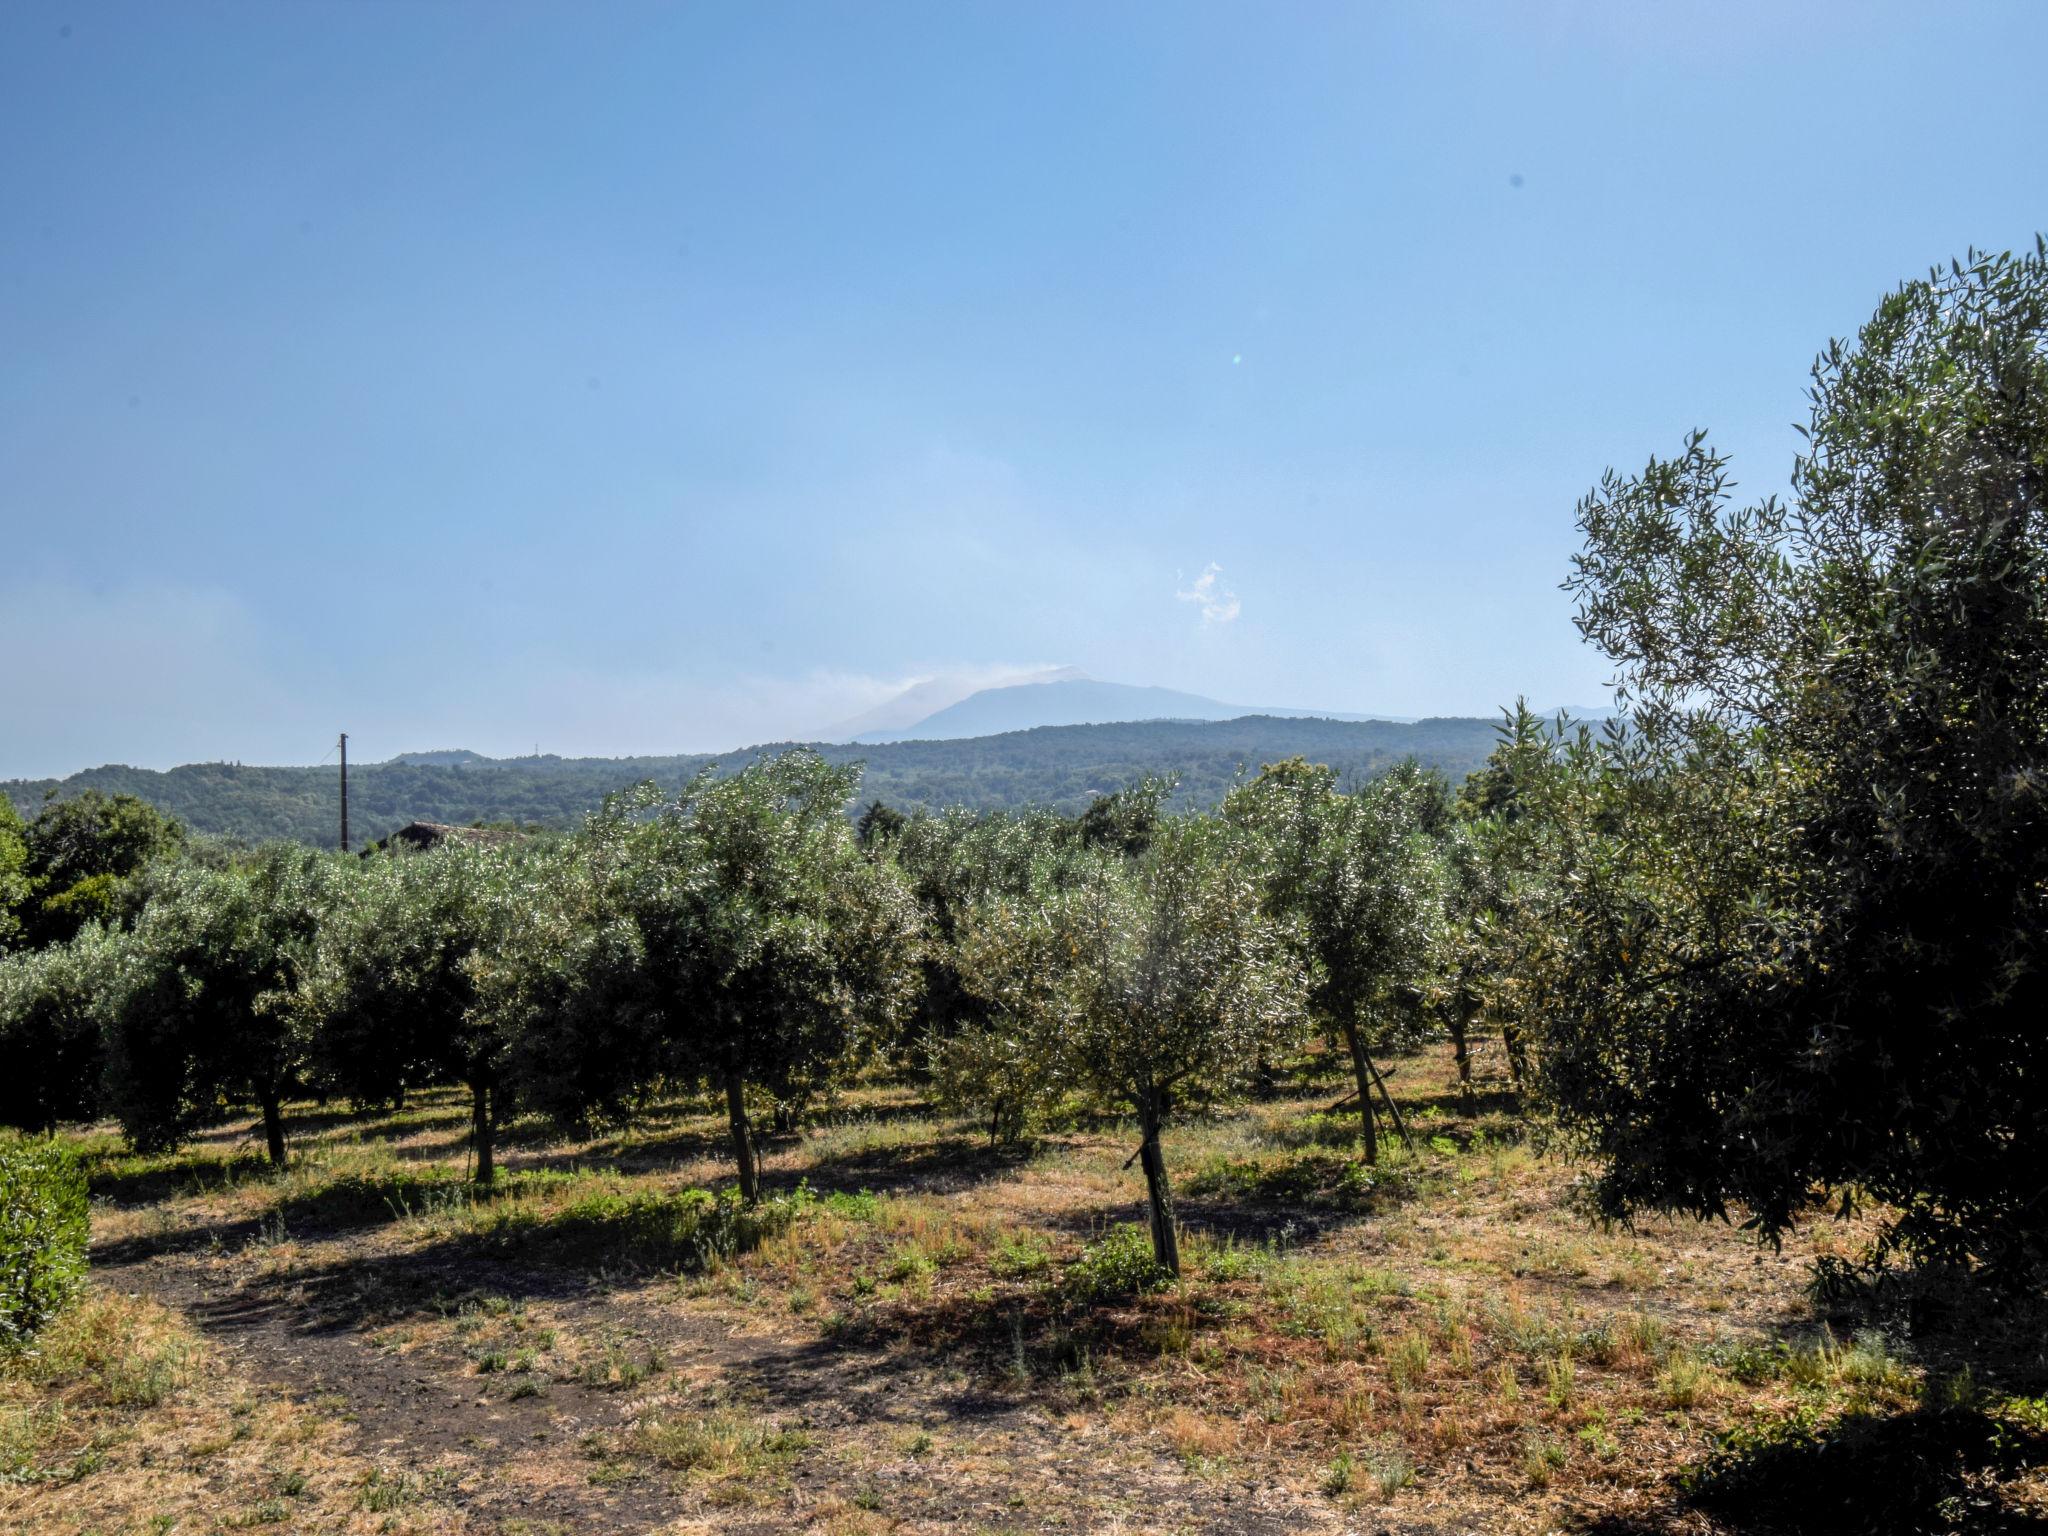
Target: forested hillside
x=1060, y=766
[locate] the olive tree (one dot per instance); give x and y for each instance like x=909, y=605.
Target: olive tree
x=1506, y=866
x=1153, y=979
x=566, y=986
x=1356, y=881
x=50, y=1053
x=1812, y=959
x=1004, y=1057
x=772, y=952
x=969, y=872
x=203, y=1003
x=449, y=965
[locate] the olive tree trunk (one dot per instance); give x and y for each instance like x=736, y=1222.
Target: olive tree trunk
x=1361, y=1069
x=742, y=1138
x=273, y=1125
x=1461, y=1051
x=1158, y=1189
x=481, y=1137
x=1517, y=1052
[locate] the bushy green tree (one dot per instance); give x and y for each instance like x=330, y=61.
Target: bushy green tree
x=1471, y=878
x=1124, y=822
x=1807, y=956
x=1354, y=879
x=565, y=986
x=369, y=986
x=958, y=864
x=1000, y=956
x=1005, y=1076
x=82, y=856
x=1503, y=861
x=14, y=881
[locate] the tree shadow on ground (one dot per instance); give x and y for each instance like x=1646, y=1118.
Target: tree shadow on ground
x=454, y=1126
x=1245, y=1222
x=309, y=1122
x=152, y=1186
x=420, y=1113
x=1934, y=1470
x=644, y=1153
x=580, y=1256
x=1496, y=1103
x=121, y=1252
x=1942, y=1467
x=942, y=1166
x=606, y=1230
x=826, y=1118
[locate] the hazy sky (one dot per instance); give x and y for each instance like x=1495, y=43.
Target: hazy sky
x=638, y=379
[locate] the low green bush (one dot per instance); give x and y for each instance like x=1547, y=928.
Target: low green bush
x=43, y=1232
x=1115, y=1267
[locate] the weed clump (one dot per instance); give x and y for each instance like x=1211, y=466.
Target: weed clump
x=720, y=1442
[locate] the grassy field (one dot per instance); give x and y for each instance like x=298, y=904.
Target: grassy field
x=918, y=1333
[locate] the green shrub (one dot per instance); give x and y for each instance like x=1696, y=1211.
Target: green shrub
x=1115, y=1267
x=42, y=1236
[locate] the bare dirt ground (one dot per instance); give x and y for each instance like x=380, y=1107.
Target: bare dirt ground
x=923, y=1340
x=415, y=1404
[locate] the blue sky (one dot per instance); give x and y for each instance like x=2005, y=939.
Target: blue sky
x=641, y=379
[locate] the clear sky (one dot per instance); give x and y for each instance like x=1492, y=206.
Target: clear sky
x=622, y=378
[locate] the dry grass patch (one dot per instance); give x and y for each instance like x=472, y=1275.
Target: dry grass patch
x=123, y=1419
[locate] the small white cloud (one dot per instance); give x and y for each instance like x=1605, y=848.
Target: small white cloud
x=1218, y=603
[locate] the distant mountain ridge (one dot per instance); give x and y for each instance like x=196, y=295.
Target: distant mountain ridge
x=1059, y=766
x=928, y=697
x=1072, y=698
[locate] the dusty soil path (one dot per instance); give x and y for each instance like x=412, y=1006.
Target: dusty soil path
x=893, y=1440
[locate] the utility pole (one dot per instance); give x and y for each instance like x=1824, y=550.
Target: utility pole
x=344, y=791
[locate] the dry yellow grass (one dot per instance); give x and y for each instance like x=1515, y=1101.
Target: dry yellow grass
x=124, y=1419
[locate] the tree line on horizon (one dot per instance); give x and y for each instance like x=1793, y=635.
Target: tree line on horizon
x=1770, y=945
x=1063, y=767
